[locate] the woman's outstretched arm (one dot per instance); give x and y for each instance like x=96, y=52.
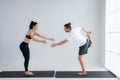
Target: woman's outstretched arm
x=44, y=37
x=34, y=39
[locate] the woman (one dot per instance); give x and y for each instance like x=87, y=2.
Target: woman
x=24, y=45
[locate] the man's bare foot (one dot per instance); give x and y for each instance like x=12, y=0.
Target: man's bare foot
x=89, y=34
x=83, y=73
x=28, y=73
x=92, y=44
x=89, y=37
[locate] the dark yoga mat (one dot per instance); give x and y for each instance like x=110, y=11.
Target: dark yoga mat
x=20, y=74
x=90, y=74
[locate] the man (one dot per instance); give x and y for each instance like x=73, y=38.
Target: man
x=83, y=42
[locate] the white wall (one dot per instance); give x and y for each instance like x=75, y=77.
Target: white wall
x=51, y=15
x=102, y=32
x=113, y=36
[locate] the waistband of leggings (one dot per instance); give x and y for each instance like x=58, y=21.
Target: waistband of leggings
x=25, y=43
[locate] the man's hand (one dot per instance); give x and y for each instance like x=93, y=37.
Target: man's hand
x=53, y=45
x=59, y=43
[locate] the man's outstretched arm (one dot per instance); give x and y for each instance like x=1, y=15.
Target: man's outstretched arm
x=59, y=43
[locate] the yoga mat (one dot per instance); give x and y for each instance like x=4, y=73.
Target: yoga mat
x=20, y=74
x=90, y=74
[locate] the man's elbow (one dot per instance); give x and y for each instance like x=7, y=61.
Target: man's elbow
x=65, y=41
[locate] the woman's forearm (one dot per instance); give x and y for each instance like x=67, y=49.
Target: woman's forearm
x=41, y=41
x=45, y=37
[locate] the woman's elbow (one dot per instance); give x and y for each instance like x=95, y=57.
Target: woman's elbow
x=33, y=39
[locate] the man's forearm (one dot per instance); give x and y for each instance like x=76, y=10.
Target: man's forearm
x=85, y=30
x=62, y=42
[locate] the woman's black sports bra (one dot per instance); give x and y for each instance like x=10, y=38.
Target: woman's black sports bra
x=28, y=36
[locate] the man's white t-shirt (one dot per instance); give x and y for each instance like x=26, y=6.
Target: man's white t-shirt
x=77, y=36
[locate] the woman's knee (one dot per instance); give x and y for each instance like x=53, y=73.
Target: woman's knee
x=27, y=58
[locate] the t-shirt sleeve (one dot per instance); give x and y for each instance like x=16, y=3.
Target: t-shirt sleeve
x=69, y=38
x=78, y=28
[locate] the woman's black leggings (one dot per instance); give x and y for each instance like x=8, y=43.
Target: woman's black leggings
x=26, y=53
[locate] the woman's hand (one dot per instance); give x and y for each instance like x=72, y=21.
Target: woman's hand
x=43, y=41
x=52, y=39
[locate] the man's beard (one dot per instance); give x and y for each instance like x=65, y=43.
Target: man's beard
x=67, y=31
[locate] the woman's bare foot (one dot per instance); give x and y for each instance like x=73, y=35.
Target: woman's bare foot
x=83, y=73
x=28, y=73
